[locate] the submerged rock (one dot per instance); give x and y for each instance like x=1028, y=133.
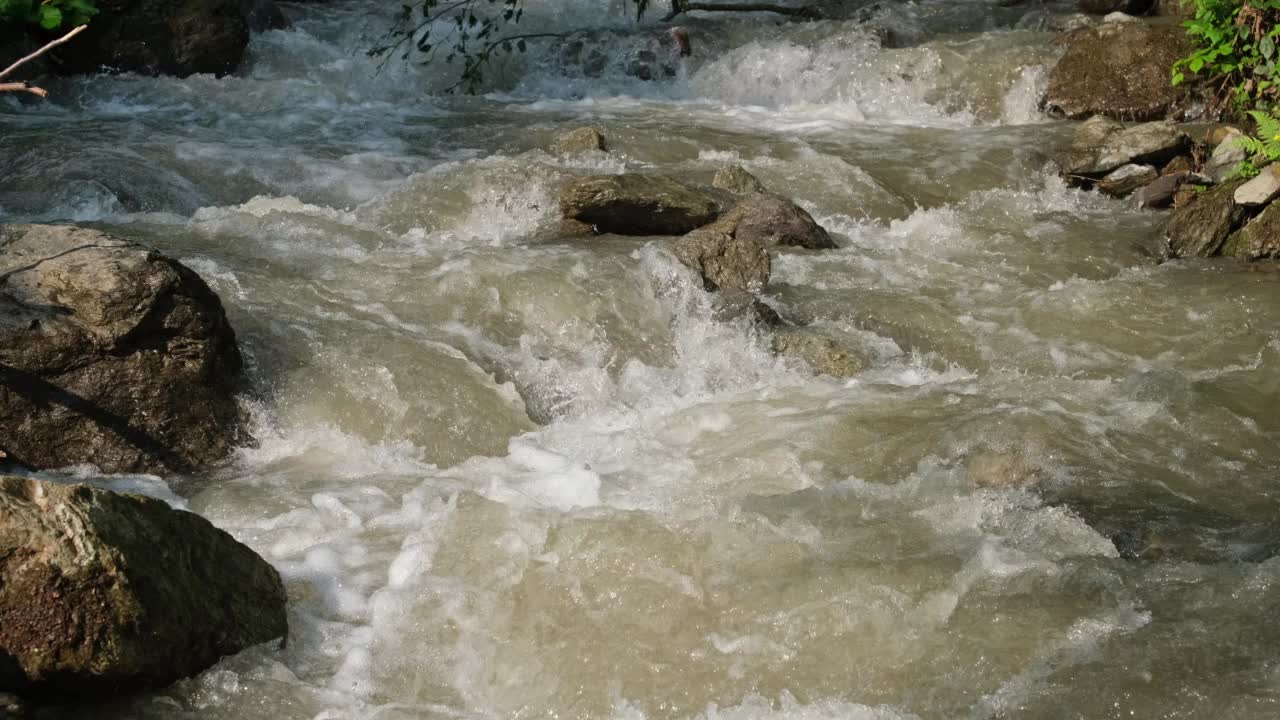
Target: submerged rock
x=584, y=139
x=111, y=354
x=773, y=220
x=1200, y=228
x=724, y=260
x=822, y=354
x=157, y=37
x=731, y=305
x=737, y=180
x=638, y=204
x=103, y=593
x=1118, y=69
x=1259, y=239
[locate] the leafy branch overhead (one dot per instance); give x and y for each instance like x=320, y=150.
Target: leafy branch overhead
x=1235, y=51
x=48, y=14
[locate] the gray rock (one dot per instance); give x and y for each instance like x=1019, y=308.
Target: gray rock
x=737, y=180
x=723, y=260
x=583, y=139
x=160, y=37
x=111, y=354
x=822, y=354
x=1226, y=156
x=639, y=204
x=732, y=305
x=1127, y=178
x=1101, y=145
x=1259, y=239
x=103, y=593
x=1120, y=70
x=773, y=220
x=1261, y=189
x=1199, y=228
x=1115, y=10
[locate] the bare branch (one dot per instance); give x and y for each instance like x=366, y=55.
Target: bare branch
x=41, y=51
x=22, y=87
x=678, y=7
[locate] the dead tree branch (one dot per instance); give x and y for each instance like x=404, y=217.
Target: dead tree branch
x=808, y=13
x=23, y=86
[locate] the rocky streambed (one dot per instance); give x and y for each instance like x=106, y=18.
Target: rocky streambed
x=823, y=372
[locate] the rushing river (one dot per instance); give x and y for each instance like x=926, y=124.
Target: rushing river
x=510, y=476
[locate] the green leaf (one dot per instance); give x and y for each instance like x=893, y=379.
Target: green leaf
x=1267, y=47
x=1178, y=78
x=50, y=17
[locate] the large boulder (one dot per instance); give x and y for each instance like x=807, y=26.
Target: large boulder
x=639, y=204
x=1101, y=145
x=103, y=593
x=163, y=37
x=1118, y=69
x=111, y=354
x=724, y=261
x=1199, y=228
x=1259, y=239
x=773, y=220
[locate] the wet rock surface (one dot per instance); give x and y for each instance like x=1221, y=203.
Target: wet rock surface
x=164, y=37
x=111, y=354
x=638, y=204
x=1118, y=69
x=723, y=260
x=103, y=593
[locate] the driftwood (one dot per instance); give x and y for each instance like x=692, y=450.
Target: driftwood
x=27, y=87
x=682, y=6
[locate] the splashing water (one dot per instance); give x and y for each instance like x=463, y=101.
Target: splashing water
x=508, y=477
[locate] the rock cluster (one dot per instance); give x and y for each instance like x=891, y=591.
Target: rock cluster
x=725, y=233
x=1239, y=219
x=1150, y=160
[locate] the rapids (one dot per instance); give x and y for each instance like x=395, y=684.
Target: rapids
x=507, y=477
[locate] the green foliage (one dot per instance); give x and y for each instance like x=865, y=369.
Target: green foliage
x=1263, y=149
x=1235, y=51
x=48, y=14
x=472, y=32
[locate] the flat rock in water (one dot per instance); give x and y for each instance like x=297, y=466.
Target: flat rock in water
x=774, y=221
x=723, y=260
x=1101, y=145
x=104, y=593
x=1118, y=69
x=639, y=204
x=1199, y=228
x=111, y=354
x=1262, y=189
x=1125, y=179
x=1259, y=239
